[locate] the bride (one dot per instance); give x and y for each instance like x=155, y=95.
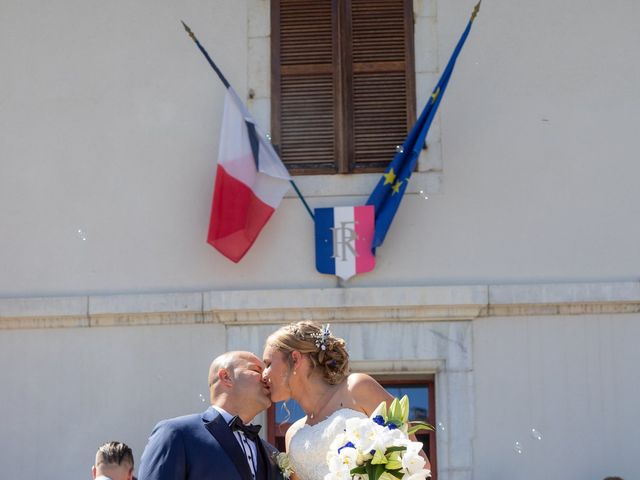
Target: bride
x=307, y=363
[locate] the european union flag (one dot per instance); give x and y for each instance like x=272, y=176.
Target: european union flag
x=390, y=189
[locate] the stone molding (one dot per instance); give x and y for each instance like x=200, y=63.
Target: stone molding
x=337, y=305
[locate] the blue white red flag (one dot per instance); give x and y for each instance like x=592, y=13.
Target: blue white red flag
x=250, y=182
x=343, y=240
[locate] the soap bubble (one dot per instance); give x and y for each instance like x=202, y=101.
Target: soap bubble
x=517, y=447
x=399, y=149
x=81, y=234
x=536, y=434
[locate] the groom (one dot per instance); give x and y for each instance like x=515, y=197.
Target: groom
x=216, y=444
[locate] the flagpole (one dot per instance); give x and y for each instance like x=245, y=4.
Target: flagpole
x=228, y=85
x=206, y=55
x=476, y=9
x=304, y=202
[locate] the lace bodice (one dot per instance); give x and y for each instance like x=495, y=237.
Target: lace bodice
x=309, y=445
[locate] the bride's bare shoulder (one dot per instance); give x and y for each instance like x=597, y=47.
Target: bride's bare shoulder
x=366, y=392
x=362, y=384
x=356, y=376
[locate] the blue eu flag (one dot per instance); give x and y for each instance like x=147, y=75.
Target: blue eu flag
x=389, y=191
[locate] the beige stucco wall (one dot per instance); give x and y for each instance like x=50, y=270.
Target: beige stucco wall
x=66, y=391
x=109, y=120
x=574, y=379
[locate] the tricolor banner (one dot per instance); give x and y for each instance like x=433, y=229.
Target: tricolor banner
x=343, y=240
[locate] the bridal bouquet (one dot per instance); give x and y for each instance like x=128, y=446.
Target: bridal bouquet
x=378, y=448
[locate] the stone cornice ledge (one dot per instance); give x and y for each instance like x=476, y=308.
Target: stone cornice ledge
x=564, y=299
x=375, y=304
x=380, y=304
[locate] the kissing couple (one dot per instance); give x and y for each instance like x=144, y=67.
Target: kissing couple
x=302, y=361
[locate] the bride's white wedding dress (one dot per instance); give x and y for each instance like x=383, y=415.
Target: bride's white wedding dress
x=309, y=445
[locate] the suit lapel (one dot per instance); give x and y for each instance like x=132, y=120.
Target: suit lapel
x=268, y=452
x=227, y=440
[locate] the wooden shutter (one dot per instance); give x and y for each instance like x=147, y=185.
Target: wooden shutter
x=383, y=98
x=303, y=72
x=342, y=82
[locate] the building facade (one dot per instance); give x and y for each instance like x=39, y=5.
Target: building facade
x=508, y=279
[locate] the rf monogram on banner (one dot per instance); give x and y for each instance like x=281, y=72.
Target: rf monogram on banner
x=344, y=237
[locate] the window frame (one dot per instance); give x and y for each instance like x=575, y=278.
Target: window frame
x=343, y=69
x=429, y=381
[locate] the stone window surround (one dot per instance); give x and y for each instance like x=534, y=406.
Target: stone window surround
x=428, y=179
x=444, y=351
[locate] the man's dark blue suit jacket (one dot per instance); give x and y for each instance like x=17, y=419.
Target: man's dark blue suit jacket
x=200, y=447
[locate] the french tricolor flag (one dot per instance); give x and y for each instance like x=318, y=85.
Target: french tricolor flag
x=343, y=240
x=250, y=182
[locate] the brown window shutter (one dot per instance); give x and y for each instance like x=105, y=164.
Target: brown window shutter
x=342, y=82
x=303, y=86
x=383, y=96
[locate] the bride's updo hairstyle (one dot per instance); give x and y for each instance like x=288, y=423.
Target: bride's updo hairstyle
x=327, y=354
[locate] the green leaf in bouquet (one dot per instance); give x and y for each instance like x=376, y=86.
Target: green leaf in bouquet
x=371, y=470
x=394, y=458
x=392, y=475
x=358, y=470
x=394, y=465
x=389, y=476
x=396, y=449
x=417, y=426
x=379, y=458
x=375, y=471
x=394, y=461
x=395, y=455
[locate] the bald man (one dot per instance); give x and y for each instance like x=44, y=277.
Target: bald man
x=114, y=461
x=216, y=444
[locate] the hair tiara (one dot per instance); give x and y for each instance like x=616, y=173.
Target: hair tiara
x=322, y=337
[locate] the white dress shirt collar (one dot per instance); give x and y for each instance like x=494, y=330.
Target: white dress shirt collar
x=225, y=415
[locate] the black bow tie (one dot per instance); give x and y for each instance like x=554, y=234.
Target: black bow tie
x=251, y=431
